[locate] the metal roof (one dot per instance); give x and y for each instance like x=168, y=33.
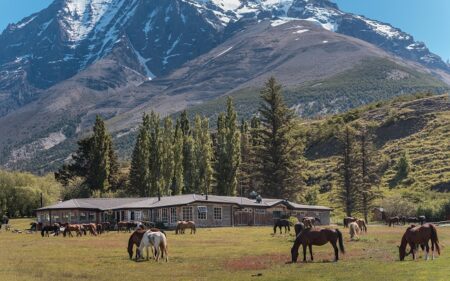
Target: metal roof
x=167, y=201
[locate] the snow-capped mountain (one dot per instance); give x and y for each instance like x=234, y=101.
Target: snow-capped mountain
x=117, y=58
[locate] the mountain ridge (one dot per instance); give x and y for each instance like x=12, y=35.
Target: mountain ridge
x=133, y=56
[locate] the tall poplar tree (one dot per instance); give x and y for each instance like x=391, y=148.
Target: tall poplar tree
x=167, y=161
x=228, y=151
x=177, y=179
x=279, y=154
x=155, y=163
x=202, y=155
x=139, y=176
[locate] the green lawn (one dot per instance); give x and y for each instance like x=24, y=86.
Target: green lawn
x=240, y=253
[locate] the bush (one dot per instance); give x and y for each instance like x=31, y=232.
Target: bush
x=20, y=193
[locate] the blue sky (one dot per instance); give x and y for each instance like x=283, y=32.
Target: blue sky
x=426, y=20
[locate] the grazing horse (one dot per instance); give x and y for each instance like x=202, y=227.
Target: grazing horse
x=298, y=227
x=158, y=242
x=126, y=226
x=394, y=220
x=50, y=228
x=420, y=235
x=362, y=225
x=99, y=228
x=348, y=220
x=91, y=227
x=282, y=223
x=182, y=225
x=355, y=230
x=78, y=228
x=135, y=239
x=318, y=237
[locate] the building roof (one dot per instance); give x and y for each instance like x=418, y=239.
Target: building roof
x=167, y=201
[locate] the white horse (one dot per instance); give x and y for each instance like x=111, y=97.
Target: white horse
x=158, y=241
x=354, y=230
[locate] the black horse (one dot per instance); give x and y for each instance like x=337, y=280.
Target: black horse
x=282, y=223
x=50, y=228
x=298, y=227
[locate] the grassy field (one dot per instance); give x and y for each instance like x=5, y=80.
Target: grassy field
x=243, y=253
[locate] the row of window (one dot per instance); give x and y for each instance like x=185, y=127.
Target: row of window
x=69, y=217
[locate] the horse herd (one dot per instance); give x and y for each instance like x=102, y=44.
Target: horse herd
x=308, y=235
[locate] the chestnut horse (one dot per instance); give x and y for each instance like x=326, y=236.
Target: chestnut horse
x=348, y=220
x=419, y=236
x=318, y=237
x=362, y=225
x=182, y=225
x=78, y=228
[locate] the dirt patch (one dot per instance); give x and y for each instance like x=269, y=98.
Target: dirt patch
x=256, y=262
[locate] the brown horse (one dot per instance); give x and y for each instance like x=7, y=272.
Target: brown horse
x=135, y=239
x=362, y=225
x=420, y=235
x=318, y=237
x=182, y=225
x=91, y=227
x=126, y=226
x=348, y=220
x=394, y=220
x=68, y=228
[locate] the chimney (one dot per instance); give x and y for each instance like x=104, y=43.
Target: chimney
x=159, y=195
x=206, y=194
x=42, y=201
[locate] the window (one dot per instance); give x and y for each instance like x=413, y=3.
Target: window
x=187, y=213
x=83, y=216
x=138, y=215
x=173, y=215
x=92, y=217
x=260, y=211
x=202, y=212
x=72, y=216
x=217, y=213
x=55, y=218
x=276, y=214
x=164, y=215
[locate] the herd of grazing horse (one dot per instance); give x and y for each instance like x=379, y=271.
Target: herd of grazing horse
x=307, y=235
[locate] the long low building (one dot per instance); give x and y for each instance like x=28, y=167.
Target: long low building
x=204, y=210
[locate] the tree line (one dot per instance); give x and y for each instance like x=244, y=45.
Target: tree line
x=182, y=156
x=264, y=154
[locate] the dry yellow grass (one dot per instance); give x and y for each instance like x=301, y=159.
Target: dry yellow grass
x=243, y=253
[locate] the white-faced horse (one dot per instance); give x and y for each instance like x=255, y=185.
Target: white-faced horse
x=158, y=242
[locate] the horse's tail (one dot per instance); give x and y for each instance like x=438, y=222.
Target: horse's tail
x=341, y=241
x=42, y=232
x=130, y=246
x=434, y=238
